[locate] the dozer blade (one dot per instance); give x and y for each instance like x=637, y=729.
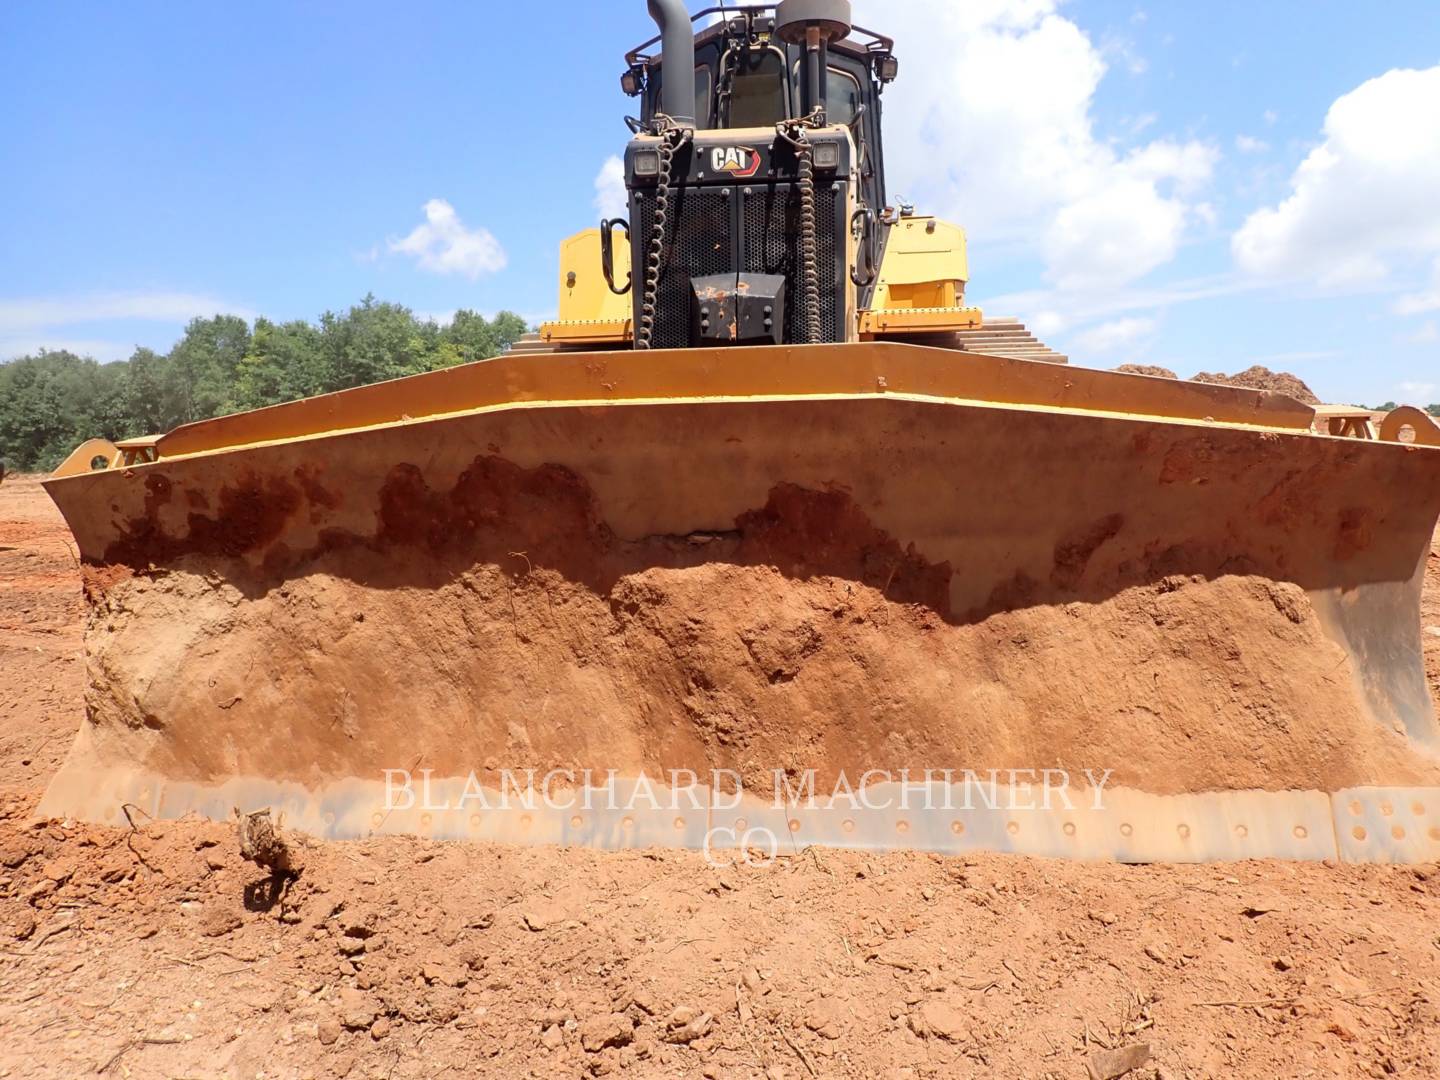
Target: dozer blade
x=1170, y=620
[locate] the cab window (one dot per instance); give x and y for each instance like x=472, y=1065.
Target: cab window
x=758, y=95
x=842, y=92
x=703, y=96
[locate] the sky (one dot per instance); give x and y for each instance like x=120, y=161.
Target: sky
x=1198, y=186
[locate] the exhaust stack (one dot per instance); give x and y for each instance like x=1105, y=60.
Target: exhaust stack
x=677, y=54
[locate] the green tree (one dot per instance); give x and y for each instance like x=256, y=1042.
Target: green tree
x=477, y=338
x=154, y=403
x=54, y=400
x=203, y=365
x=374, y=341
x=51, y=402
x=283, y=362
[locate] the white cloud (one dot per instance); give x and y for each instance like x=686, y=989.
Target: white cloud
x=29, y=324
x=1428, y=334
x=990, y=123
x=1122, y=335
x=1124, y=50
x=1143, y=121
x=1248, y=144
x=1419, y=391
x=611, y=198
x=1365, y=197
x=1421, y=302
x=1048, y=323
x=1050, y=312
x=445, y=318
x=1299, y=357
x=443, y=245
x=97, y=349
x=24, y=314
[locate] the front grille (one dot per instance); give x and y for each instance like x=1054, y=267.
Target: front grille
x=699, y=245
x=702, y=232
x=772, y=246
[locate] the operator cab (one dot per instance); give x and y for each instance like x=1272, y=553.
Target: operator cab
x=755, y=178
x=746, y=77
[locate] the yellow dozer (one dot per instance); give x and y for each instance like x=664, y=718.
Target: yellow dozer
x=768, y=541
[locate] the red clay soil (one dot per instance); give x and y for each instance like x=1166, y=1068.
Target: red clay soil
x=156, y=951
x=1262, y=378
x=1430, y=618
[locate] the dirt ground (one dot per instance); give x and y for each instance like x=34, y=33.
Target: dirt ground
x=159, y=952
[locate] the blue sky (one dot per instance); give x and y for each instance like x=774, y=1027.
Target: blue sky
x=1143, y=182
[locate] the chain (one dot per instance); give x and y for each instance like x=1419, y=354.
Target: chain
x=809, y=246
x=795, y=133
x=671, y=139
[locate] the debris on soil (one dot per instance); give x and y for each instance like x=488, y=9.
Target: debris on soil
x=262, y=844
x=1262, y=378
x=1152, y=370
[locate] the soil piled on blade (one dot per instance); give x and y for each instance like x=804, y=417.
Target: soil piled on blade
x=1185, y=685
x=1262, y=378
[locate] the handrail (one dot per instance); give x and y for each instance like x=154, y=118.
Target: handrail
x=878, y=42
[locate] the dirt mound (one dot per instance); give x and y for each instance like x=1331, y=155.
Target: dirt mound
x=1262, y=378
x=1147, y=369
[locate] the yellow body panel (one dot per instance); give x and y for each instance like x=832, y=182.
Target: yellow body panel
x=590, y=312
x=921, y=288
x=919, y=320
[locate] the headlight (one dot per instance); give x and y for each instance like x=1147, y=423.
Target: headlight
x=647, y=163
x=827, y=155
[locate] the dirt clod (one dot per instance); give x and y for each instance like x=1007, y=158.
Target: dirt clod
x=609, y=1029
x=219, y=919
x=943, y=1020
x=1110, y=1064
x=356, y=1009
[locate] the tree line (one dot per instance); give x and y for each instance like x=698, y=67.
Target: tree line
x=1390, y=406
x=54, y=400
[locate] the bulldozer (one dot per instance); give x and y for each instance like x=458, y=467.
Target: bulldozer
x=767, y=509
x=758, y=202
